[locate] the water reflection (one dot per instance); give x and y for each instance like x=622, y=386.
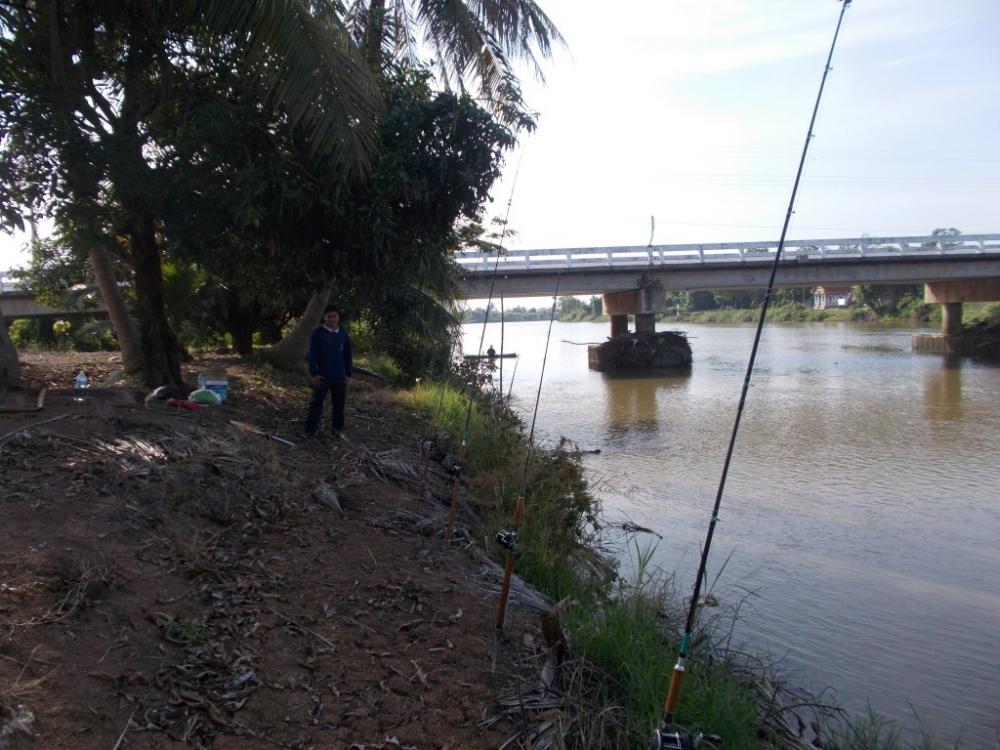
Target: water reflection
x=631, y=400
x=943, y=391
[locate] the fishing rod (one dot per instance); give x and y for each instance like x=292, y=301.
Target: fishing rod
x=663, y=737
x=429, y=442
x=507, y=538
x=451, y=351
x=501, y=347
x=456, y=468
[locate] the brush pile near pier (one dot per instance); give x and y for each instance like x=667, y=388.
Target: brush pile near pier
x=635, y=351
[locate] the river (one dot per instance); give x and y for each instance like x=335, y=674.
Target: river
x=862, y=509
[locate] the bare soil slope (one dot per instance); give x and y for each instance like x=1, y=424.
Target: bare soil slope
x=170, y=577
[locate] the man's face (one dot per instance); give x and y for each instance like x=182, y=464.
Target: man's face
x=331, y=319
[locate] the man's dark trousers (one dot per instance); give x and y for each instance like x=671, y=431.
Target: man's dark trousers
x=338, y=395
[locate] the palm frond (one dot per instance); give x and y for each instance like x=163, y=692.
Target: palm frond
x=312, y=68
x=478, y=39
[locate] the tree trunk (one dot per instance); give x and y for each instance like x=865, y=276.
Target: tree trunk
x=114, y=302
x=270, y=332
x=291, y=351
x=10, y=365
x=241, y=322
x=161, y=354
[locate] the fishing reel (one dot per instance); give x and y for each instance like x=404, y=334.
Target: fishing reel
x=454, y=469
x=507, y=538
x=661, y=739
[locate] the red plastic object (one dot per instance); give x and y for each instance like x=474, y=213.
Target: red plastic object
x=191, y=405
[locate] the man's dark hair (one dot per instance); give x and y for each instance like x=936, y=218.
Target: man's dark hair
x=330, y=309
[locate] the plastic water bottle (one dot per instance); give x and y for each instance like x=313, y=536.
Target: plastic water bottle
x=202, y=380
x=80, y=382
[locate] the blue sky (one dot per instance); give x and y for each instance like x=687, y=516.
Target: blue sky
x=694, y=111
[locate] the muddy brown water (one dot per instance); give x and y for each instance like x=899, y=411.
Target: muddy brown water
x=862, y=509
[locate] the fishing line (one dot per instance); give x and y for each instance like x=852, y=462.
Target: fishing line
x=456, y=468
x=508, y=538
x=538, y=395
x=663, y=737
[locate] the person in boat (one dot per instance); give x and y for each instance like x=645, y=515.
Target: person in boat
x=330, y=370
x=491, y=352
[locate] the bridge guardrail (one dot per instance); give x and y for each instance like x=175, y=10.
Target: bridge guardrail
x=729, y=252
x=8, y=282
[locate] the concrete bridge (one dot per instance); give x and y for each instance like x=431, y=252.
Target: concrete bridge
x=732, y=265
x=633, y=280
x=18, y=302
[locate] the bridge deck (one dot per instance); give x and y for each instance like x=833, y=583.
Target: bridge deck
x=594, y=270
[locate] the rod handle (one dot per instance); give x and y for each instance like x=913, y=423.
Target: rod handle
x=674, y=692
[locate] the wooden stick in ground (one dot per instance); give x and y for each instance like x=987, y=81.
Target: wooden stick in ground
x=509, y=567
x=454, y=494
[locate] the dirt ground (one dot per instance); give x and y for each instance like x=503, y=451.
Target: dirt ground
x=169, y=579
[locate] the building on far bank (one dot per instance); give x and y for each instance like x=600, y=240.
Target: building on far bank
x=827, y=297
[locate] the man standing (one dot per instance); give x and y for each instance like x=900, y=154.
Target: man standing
x=330, y=370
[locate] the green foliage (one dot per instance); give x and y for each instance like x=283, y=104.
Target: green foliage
x=381, y=365
x=187, y=630
x=79, y=334
x=985, y=312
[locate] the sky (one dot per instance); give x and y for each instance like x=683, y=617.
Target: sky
x=695, y=112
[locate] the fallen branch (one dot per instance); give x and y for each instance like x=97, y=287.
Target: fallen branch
x=303, y=628
x=33, y=424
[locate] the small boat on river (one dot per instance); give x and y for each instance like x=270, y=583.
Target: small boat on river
x=505, y=355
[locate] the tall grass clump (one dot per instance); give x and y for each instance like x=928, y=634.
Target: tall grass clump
x=495, y=439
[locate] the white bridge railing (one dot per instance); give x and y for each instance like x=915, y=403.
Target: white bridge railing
x=598, y=258
x=8, y=283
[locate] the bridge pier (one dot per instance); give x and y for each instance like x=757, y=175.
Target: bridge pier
x=645, y=349
x=951, y=318
x=619, y=325
x=642, y=303
x=951, y=295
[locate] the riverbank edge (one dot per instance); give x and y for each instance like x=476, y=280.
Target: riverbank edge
x=621, y=634
x=627, y=631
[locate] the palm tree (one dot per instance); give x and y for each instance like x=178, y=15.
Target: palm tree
x=477, y=41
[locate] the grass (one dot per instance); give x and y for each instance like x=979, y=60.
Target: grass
x=187, y=630
x=494, y=438
x=382, y=365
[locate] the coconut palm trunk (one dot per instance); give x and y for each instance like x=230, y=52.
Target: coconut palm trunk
x=291, y=350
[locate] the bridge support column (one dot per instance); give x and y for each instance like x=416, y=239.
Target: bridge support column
x=951, y=318
x=950, y=295
x=619, y=325
x=643, y=303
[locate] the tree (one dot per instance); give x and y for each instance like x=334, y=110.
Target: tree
x=264, y=220
x=91, y=79
x=470, y=40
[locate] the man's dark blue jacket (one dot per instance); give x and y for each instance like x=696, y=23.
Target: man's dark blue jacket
x=330, y=354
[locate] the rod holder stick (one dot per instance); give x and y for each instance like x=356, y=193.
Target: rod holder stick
x=509, y=567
